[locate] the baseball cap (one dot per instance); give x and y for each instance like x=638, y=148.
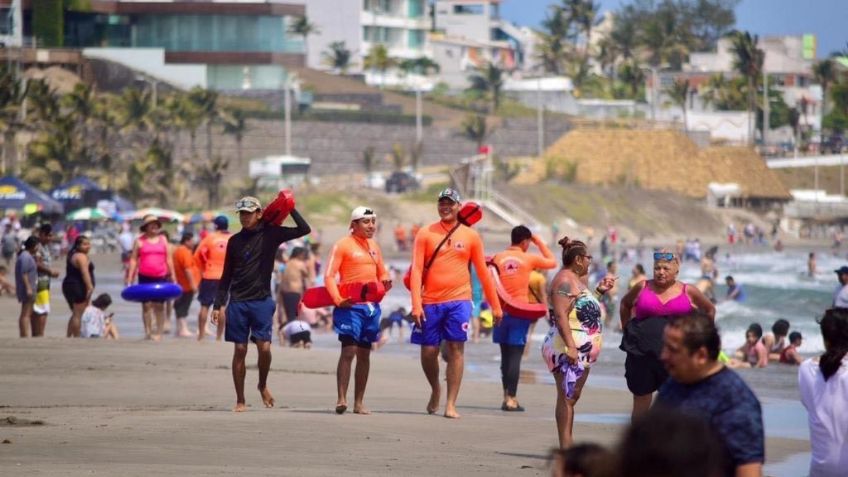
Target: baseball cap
x=362, y=213
x=842, y=270
x=450, y=194
x=248, y=204
x=221, y=222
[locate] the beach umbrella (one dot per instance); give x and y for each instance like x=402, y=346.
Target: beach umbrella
x=164, y=215
x=87, y=213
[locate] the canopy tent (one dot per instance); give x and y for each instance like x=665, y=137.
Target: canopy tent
x=18, y=195
x=83, y=192
x=87, y=213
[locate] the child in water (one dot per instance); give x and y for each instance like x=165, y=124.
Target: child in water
x=753, y=353
x=790, y=354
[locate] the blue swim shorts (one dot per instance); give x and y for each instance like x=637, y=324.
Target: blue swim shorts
x=360, y=323
x=511, y=331
x=250, y=320
x=443, y=321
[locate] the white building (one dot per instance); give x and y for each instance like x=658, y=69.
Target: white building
x=400, y=25
x=467, y=34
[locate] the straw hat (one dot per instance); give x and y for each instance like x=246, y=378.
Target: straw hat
x=149, y=219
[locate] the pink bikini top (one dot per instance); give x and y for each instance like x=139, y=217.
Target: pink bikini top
x=648, y=304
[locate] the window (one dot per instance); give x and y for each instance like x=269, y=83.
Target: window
x=476, y=9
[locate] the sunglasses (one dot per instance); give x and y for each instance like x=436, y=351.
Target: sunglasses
x=663, y=256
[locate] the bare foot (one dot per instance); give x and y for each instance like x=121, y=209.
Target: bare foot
x=267, y=398
x=240, y=407
x=148, y=336
x=452, y=414
x=156, y=337
x=360, y=409
x=433, y=405
x=341, y=407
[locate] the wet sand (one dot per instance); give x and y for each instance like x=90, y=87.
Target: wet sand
x=133, y=407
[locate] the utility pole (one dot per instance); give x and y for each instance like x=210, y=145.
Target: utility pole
x=765, y=107
x=287, y=113
x=419, y=126
x=540, y=118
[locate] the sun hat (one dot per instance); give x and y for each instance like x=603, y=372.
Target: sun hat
x=149, y=219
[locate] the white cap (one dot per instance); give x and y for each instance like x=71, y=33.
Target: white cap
x=362, y=212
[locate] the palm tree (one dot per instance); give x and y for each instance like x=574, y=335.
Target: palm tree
x=210, y=175
x=235, y=126
x=303, y=27
x=583, y=14
x=338, y=57
x=398, y=156
x=378, y=59
x=488, y=81
x=422, y=66
x=679, y=94
x=12, y=94
x=206, y=104
x=748, y=61
x=474, y=127
x=632, y=75
x=552, y=51
x=824, y=72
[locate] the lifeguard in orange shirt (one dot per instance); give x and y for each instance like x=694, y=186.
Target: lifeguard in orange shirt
x=355, y=260
x=441, y=295
x=515, y=265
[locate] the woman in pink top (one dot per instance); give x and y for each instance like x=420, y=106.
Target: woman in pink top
x=644, y=312
x=151, y=260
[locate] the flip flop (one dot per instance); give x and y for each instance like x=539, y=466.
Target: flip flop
x=506, y=408
x=340, y=409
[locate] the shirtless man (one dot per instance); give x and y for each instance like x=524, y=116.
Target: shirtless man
x=355, y=259
x=246, y=285
x=294, y=280
x=441, y=296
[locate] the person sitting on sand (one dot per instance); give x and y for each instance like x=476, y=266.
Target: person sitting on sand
x=776, y=340
x=790, y=354
x=95, y=323
x=298, y=333
x=396, y=317
x=700, y=386
x=753, y=353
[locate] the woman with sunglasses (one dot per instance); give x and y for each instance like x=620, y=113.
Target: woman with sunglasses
x=575, y=335
x=644, y=311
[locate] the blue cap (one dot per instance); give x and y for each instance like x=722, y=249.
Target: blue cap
x=221, y=222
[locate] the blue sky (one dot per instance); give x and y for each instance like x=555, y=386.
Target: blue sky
x=827, y=19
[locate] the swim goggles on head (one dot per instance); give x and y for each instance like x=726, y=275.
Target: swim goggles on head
x=663, y=256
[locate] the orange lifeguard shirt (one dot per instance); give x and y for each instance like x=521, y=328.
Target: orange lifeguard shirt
x=449, y=278
x=184, y=261
x=515, y=266
x=354, y=260
x=210, y=255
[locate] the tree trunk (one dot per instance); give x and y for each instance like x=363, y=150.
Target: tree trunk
x=750, y=111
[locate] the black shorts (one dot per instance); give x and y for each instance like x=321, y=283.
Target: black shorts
x=206, y=292
x=291, y=303
x=74, y=293
x=182, y=304
x=347, y=340
x=302, y=337
x=644, y=374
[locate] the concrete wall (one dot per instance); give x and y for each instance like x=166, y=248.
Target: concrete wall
x=336, y=148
